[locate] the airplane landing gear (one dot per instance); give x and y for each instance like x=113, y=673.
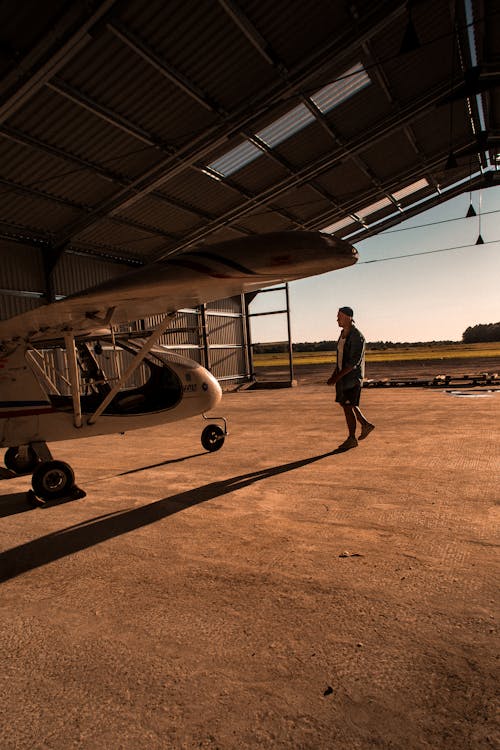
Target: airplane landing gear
x=213, y=436
x=21, y=459
x=51, y=480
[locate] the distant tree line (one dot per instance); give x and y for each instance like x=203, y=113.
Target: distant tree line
x=278, y=347
x=472, y=335
x=481, y=332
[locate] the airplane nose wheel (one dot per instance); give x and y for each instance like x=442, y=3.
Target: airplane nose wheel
x=52, y=480
x=212, y=438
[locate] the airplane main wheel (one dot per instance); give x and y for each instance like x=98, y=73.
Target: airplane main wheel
x=53, y=479
x=21, y=465
x=212, y=438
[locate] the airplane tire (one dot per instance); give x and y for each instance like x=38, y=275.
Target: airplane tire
x=212, y=438
x=14, y=462
x=53, y=479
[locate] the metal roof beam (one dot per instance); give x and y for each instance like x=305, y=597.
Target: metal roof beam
x=205, y=143
x=24, y=139
x=389, y=186
x=437, y=199
x=26, y=190
x=167, y=71
x=50, y=64
x=358, y=161
x=106, y=114
x=394, y=121
x=271, y=153
x=254, y=37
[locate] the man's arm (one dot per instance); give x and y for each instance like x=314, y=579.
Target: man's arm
x=338, y=374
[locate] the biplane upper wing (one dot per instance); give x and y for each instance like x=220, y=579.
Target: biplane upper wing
x=183, y=281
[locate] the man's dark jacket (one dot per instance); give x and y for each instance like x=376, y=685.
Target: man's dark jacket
x=354, y=354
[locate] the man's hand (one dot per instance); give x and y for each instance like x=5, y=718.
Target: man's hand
x=332, y=379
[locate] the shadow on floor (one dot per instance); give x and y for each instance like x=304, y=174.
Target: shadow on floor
x=59, y=544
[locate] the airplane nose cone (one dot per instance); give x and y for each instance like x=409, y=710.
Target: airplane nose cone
x=211, y=389
x=343, y=249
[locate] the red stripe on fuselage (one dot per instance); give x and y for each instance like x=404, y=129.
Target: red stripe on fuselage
x=26, y=412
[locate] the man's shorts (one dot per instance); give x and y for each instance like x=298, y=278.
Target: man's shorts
x=348, y=395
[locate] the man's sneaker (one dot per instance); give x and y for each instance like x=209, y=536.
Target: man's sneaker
x=351, y=442
x=365, y=431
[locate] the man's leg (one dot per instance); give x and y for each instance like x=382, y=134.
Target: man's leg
x=366, y=426
x=359, y=416
x=350, y=419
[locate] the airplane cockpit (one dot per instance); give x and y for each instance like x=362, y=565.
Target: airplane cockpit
x=160, y=389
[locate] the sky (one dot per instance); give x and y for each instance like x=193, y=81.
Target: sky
x=428, y=297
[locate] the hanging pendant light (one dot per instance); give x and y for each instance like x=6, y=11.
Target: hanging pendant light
x=479, y=240
x=410, y=41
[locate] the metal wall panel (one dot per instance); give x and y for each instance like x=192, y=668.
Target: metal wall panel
x=229, y=305
x=11, y=305
x=21, y=268
x=228, y=365
x=224, y=330
x=225, y=354
x=76, y=272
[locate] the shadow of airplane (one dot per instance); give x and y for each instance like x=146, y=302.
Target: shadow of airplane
x=19, y=502
x=161, y=463
x=59, y=544
x=14, y=503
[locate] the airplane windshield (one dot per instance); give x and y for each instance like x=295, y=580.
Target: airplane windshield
x=161, y=389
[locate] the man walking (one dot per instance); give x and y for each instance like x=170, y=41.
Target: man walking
x=348, y=377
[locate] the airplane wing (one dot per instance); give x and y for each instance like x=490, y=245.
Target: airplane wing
x=200, y=275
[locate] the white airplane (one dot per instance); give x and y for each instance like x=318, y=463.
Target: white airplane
x=34, y=412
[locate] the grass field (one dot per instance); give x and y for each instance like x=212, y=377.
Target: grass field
x=408, y=354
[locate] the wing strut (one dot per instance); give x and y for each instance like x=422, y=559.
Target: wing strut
x=74, y=378
x=152, y=340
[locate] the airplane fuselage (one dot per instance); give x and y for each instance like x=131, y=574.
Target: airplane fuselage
x=178, y=388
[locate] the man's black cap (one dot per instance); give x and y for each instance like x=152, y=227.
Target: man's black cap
x=347, y=311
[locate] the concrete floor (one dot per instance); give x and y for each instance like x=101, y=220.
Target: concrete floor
x=274, y=594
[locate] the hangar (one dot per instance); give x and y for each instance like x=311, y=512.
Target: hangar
x=132, y=131
x=273, y=595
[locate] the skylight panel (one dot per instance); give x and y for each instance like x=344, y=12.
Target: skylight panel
x=284, y=127
x=331, y=228
x=235, y=159
x=352, y=81
x=373, y=208
x=409, y=189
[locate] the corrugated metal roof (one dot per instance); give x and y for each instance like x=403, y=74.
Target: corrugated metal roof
x=121, y=238
x=59, y=122
x=157, y=91
x=351, y=81
x=204, y=57
x=304, y=202
x=156, y=213
x=204, y=193
x=295, y=29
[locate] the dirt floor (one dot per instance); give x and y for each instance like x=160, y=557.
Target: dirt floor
x=274, y=594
